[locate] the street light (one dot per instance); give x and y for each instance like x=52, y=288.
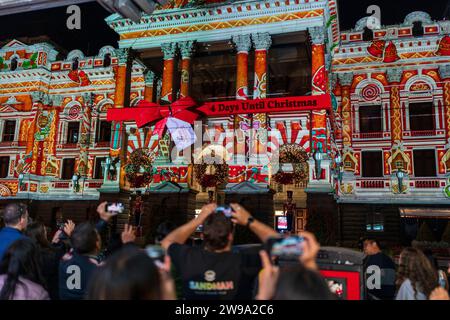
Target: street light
x=75, y=179
x=21, y=177
x=400, y=175
x=318, y=157
x=338, y=161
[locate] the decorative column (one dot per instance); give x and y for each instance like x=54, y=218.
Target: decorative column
x=186, y=49
x=394, y=76
x=444, y=72
x=242, y=123
x=85, y=140
x=149, y=86
x=345, y=80
x=319, y=86
x=169, y=50
x=121, y=75
x=262, y=43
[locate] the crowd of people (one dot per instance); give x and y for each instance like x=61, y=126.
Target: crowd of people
x=72, y=265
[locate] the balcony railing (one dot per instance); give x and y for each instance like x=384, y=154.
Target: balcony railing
x=371, y=135
x=423, y=133
x=372, y=184
x=427, y=184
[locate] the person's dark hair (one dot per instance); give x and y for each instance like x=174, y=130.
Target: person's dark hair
x=216, y=231
x=431, y=257
x=84, y=238
x=20, y=260
x=164, y=229
x=372, y=240
x=36, y=232
x=416, y=267
x=13, y=212
x=129, y=274
x=299, y=283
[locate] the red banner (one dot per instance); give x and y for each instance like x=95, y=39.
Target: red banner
x=269, y=105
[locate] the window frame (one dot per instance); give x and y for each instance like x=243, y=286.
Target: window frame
x=414, y=162
x=12, y=135
x=381, y=164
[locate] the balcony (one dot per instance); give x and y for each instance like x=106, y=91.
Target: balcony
x=427, y=184
x=371, y=184
x=371, y=135
x=423, y=133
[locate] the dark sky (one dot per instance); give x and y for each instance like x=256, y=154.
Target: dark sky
x=95, y=33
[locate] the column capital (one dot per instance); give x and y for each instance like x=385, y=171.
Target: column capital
x=317, y=35
x=38, y=96
x=262, y=41
x=345, y=79
x=122, y=54
x=186, y=48
x=88, y=98
x=169, y=50
x=444, y=72
x=149, y=78
x=243, y=42
x=394, y=75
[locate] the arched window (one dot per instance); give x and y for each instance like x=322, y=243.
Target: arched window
x=367, y=34
x=107, y=60
x=14, y=64
x=417, y=30
x=75, y=64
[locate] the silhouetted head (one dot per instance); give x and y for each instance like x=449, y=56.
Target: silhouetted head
x=15, y=215
x=217, y=232
x=129, y=274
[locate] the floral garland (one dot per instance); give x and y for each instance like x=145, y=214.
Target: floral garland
x=207, y=180
x=139, y=170
x=295, y=154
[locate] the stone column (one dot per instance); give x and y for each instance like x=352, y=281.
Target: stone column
x=169, y=50
x=85, y=137
x=187, y=50
x=149, y=86
x=319, y=86
x=394, y=76
x=121, y=75
x=346, y=79
x=262, y=43
x=444, y=72
x=242, y=122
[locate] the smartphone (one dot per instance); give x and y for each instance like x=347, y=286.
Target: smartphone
x=225, y=210
x=115, y=208
x=157, y=254
x=287, y=248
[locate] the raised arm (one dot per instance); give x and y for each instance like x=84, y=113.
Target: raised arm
x=181, y=234
x=243, y=217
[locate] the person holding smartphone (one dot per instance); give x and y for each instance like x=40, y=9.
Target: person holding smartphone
x=213, y=271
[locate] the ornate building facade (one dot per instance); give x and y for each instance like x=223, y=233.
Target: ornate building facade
x=359, y=120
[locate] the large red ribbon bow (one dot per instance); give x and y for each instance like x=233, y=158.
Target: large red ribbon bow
x=148, y=112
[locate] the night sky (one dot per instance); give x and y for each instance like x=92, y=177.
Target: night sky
x=95, y=33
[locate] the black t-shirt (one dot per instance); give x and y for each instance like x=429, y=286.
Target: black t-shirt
x=210, y=275
x=387, y=281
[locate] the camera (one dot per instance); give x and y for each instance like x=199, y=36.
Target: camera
x=115, y=208
x=225, y=210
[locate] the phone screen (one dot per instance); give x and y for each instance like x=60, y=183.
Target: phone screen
x=286, y=248
x=114, y=208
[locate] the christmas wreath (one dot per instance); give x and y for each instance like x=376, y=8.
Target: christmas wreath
x=206, y=180
x=139, y=170
x=295, y=154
